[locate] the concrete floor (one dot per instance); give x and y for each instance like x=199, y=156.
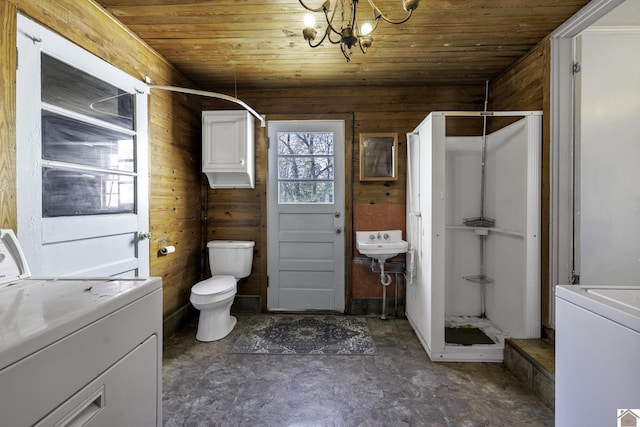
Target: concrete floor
x=205, y=385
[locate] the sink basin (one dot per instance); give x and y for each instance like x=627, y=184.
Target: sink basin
x=381, y=245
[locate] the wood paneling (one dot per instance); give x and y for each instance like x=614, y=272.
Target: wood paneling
x=176, y=206
x=436, y=62
x=232, y=214
x=174, y=133
x=260, y=42
x=8, y=214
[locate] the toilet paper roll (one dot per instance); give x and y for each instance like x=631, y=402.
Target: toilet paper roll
x=167, y=250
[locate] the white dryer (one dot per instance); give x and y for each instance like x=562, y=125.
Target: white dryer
x=597, y=354
x=77, y=351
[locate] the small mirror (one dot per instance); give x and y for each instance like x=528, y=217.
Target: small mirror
x=378, y=156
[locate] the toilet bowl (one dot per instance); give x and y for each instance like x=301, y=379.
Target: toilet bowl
x=229, y=261
x=213, y=297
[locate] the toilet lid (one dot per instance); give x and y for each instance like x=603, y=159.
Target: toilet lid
x=214, y=285
x=231, y=244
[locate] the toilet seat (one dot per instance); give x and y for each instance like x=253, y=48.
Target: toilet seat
x=214, y=285
x=216, y=288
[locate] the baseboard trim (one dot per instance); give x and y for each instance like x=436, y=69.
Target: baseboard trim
x=176, y=321
x=247, y=304
x=372, y=306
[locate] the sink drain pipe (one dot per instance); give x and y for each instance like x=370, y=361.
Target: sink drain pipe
x=385, y=279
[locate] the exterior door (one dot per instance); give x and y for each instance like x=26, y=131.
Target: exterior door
x=82, y=160
x=306, y=216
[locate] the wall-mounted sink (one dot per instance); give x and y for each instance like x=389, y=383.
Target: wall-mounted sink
x=381, y=245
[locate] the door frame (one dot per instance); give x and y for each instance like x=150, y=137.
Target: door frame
x=562, y=141
x=349, y=132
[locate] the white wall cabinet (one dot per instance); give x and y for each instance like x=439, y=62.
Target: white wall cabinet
x=228, y=148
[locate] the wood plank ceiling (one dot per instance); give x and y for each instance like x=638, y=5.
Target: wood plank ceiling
x=258, y=43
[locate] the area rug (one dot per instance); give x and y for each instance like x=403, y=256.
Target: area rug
x=303, y=334
x=466, y=336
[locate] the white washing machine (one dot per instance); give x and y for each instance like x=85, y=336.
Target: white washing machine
x=77, y=351
x=597, y=354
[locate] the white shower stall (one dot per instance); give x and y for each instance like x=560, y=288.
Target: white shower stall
x=473, y=227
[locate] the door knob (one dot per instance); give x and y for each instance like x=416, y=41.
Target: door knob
x=337, y=214
x=338, y=230
x=144, y=235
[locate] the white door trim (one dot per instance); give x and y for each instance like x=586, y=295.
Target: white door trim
x=562, y=139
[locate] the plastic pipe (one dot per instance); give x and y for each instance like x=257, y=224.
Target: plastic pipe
x=385, y=279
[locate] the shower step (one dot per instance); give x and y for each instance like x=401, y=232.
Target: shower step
x=532, y=361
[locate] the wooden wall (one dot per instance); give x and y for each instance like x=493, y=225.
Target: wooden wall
x=524, y=86
x=179, y=193
x=176, y=204
x=242, y=213
x=8, y=208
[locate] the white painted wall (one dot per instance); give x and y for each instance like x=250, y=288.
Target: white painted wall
x=608, y=153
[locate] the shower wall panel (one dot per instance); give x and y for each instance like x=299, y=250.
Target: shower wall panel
x=446, y=250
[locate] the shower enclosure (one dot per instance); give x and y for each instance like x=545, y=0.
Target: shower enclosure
x=473, y=226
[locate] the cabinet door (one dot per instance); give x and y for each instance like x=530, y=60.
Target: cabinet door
x=224, y=138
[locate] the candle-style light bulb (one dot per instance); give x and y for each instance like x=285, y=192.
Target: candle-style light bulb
x=309, y=21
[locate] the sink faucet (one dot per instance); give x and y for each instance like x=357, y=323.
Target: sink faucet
x=379, y=236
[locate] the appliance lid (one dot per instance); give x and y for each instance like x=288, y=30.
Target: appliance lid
x=13, y=264
x=625, y=296
x=620, y=304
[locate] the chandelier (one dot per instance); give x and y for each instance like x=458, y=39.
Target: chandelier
x=343, y=26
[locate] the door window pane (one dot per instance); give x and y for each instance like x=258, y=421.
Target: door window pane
x=305, y=167
x=68, y=192
x=305, y=192
x=74, y=90
x=77, y=148
x=305, y=143
x=73, y=141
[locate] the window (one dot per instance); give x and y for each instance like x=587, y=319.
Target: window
x=82, y=160
x=87, y=144
x=305, y=167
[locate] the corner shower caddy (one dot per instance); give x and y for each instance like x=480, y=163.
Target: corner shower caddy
x=443, y=228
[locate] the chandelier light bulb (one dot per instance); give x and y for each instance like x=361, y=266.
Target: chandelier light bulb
x=343, y=28
x=309, y=20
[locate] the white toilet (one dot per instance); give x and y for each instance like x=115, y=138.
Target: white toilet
x=230, y=261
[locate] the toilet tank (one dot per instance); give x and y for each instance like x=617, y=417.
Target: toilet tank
x=230, y=257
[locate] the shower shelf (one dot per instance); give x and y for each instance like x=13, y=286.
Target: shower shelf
x=490, y=229
x=479, y=279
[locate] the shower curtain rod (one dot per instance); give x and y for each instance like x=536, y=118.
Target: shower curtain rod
x=212, y=95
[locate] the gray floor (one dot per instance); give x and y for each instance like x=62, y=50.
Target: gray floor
x=205, y=385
